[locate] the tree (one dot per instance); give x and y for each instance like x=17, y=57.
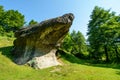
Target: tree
x=67, y=43
x=111, y=32
x=1, y=18
x=74, y=43
x=98, y=17
x=32, y=22
x=79, y=45
x=10, y=20
x=103, y=29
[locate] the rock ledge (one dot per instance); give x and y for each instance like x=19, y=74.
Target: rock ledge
x=37, y=44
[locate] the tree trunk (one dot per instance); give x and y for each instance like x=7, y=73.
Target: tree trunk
x=117, y=54
x=106, y=53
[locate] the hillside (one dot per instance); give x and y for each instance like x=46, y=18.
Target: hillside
x=72, y=68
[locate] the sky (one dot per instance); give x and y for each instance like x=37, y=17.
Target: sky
x=41, y=10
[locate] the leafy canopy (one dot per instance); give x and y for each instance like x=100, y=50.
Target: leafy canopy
x=10, y=20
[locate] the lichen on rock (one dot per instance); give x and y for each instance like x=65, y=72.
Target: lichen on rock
x=37, y=44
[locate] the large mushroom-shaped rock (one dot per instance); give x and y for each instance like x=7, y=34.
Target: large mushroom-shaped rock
x=37, y=44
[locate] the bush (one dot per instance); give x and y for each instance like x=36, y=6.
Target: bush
x=7, y=34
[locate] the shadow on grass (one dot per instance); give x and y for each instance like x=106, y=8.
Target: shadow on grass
x=6, y=51
x=118, y=72
x=73, y=59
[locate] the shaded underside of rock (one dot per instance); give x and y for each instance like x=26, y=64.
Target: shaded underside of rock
x=37, y=44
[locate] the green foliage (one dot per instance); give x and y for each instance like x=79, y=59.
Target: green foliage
x=67, y=43
x=32, y=22
x=1, y=31
x=7, y=34
x=74, y=43
x=10, y=20
x=103, y=30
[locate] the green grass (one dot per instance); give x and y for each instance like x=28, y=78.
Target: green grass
x=72, y=68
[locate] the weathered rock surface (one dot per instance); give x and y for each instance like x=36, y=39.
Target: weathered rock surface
x=37, y=44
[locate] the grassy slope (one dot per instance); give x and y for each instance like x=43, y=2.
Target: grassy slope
x=77, y=70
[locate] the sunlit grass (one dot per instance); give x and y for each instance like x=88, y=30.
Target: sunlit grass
x=72, y=68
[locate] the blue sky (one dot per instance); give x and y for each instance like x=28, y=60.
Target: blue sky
x=40, y=10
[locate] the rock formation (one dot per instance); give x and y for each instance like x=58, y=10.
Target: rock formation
x=37, y=44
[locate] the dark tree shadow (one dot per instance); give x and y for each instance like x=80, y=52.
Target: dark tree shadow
x=73, y=59
x=118, y=72
x=6, y=51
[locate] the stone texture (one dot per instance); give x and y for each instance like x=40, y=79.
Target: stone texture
x=36, y=45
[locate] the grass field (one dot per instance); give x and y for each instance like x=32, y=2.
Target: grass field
x=72, y=68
